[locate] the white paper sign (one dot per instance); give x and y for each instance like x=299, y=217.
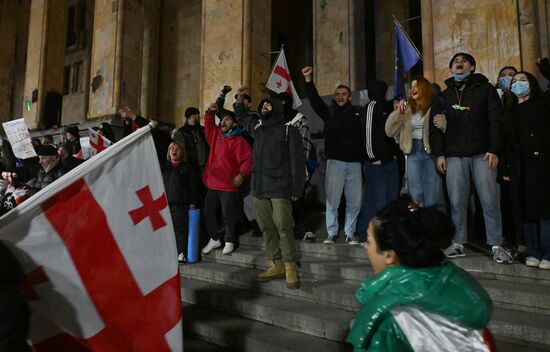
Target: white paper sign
x=20, y=138
x=85, y=148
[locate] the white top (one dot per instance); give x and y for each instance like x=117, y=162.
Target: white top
x=417, y=124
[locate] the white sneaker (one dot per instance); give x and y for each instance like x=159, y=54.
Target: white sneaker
x=455, y=250
x=330, y=240
x=181, y=258
x=352, y=240
x=544, y=264
x=532, y=261
x=212, y=244
x=228, y=248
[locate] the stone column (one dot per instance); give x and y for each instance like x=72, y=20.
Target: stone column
x=529, y=35
x=45, y=55
x=331, y=40
x=8, y=31
x=357, y=45
x=149, y=76
x=116, y=57
x=427, y=40
x=233, y=39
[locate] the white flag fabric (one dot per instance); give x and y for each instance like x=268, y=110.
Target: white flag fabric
x=98, y=142
x=99, y=253
x=280, y=81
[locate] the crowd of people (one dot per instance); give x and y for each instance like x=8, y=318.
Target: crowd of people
x=471, y=133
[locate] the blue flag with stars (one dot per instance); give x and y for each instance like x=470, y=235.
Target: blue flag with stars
x=406, y=56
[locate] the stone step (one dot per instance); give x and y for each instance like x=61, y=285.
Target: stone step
x=293, y=314
x=240, y=334
x=191, y=344
x=477, y=262
x=339, y=294
x=530, y=297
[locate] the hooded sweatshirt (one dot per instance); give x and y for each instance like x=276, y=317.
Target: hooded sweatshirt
x=230, y=155
x=403, y=308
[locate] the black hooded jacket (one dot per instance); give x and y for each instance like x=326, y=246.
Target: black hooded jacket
x=378, y=146
x=343, y=131
x=279, y=160
x=473, y=119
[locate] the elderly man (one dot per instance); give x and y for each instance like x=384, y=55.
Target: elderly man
x=51, y=170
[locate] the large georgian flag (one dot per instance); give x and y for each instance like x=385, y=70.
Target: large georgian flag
x=280, y=81
x=100, y=256
x=98, y=142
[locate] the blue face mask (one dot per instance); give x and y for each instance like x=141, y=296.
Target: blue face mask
x=521, y=88
x=459, y=77
x=504, y=82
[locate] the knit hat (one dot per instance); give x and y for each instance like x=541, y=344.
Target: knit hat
x=466, y=56
x=46, y=150
x=191, y=111
x=73, y=130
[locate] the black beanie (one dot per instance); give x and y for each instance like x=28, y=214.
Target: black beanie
x=74, y=131
x=466, y=56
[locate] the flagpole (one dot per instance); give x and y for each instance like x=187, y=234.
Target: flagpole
x=277, y=59
x=396, y=21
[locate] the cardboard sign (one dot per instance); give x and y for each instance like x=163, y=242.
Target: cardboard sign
x=20, y=139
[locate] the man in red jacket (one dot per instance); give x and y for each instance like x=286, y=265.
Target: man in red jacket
x=229, y=162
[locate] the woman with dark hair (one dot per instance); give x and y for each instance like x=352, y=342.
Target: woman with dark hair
x=530, y=115
x=417, y=298
x=504, y=82
x=411, y=125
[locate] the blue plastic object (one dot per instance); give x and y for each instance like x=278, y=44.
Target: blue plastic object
x=193, y=238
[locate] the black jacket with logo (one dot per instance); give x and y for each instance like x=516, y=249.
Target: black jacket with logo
x=473, y=119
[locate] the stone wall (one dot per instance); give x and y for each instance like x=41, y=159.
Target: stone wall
x=180, y=58
x=8, y=30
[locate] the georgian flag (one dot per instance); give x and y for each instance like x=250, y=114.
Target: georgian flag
x=100, y=258
x=280, y=81
x=98, y=142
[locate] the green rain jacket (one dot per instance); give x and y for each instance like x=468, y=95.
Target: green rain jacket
x=404, y=308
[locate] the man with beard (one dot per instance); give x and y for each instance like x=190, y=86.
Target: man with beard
x=278, y=179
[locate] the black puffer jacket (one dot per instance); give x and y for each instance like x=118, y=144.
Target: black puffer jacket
x=279, y=160
x=181, y=183
x=343, y=132
x=473, y=119
x=194, y=139
x=45, y=178
x=14, y=311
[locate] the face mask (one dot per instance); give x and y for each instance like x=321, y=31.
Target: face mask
x=521, y=88
x=504, y=82
x=459, y=77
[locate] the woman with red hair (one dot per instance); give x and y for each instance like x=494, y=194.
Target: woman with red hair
x=409, y=123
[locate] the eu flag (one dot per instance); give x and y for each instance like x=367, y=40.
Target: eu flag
x=406, y=56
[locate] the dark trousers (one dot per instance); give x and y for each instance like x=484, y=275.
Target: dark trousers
x=180, y=219
x=229, y=204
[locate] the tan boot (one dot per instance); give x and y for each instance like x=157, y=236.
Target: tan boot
x=292, y=279
x=276, y=270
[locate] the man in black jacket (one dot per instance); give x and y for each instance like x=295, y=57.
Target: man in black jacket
x=344, y=149
x=471, y=108
x=279, y=177
x=380, y=171
x=192, y=136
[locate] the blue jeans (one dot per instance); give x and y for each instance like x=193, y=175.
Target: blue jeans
x=425, y=184
x=342, y=176
x=381, y=186
x=537, y=238
x=459, y=170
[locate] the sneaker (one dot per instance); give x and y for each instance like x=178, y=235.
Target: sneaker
x=310, y=237
x=501, y=256
x=212, y=244
x=352, y=240
x=330, y=240
x=544, y=264
x=228, y=248
x=455, y=250
x=532, y=261
x=181, y=259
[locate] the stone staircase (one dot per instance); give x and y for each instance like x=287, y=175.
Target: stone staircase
x=224, y=305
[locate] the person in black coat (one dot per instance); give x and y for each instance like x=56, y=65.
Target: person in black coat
x=531, y=120
x=181, y=186
x=191, y=134
x=52, y=168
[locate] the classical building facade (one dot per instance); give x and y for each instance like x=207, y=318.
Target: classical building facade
x=71, y=61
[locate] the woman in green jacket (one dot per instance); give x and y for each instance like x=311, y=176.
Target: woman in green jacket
x=417, y=301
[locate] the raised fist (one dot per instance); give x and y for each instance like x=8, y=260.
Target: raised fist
x=308, y=73
x=213, y=108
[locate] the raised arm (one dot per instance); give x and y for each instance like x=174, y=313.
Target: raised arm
x=247, y=119
x=209, y=123
x=315, y=100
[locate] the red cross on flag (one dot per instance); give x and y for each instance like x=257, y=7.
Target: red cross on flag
x=100, y=258
x=98, y=142
x=280, y=81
